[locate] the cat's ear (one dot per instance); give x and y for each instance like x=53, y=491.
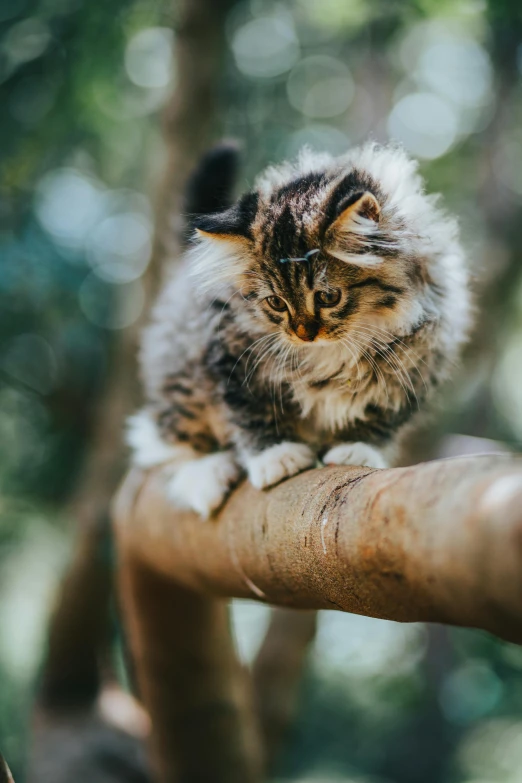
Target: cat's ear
x=358, y=218
x=360, y=213
x=233, y=223
x=219, y=225
x=222, y=253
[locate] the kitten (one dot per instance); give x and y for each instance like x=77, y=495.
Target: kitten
x=309, y=320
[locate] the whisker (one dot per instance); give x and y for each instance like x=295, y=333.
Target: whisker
x=397, y=340
x=248, y=348
x=374, y=365
x=268, y=349
x=397, y=371
x=257, y=344
x=390, y=352
x=354, y=358
x=282, y=366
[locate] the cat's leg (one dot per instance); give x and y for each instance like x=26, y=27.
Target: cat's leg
x=267, y=448
x=202, y=484
x=357, y=453
x=277, y=462
x=149, y=448
x=370, y=442
x=197, y=481
x=261, y=419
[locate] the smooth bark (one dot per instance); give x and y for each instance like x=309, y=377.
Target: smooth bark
x=439, y=542
x=196, y=692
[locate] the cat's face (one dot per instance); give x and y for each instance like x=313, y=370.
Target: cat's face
x=322, y=299
x=315, y=260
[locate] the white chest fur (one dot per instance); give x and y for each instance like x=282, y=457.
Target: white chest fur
x=330, y=390
x=331, y=408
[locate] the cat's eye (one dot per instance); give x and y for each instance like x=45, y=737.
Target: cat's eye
x=328, y=298
x=276, y=303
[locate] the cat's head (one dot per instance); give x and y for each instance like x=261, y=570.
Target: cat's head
x=320, y=251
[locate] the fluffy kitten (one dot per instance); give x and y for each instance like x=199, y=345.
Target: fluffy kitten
x=309, y=320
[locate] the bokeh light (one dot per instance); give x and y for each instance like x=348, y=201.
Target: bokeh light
x=68, y=205
x=319, y=137
x=362, y=647
x=447, y=91
x=470, y=692
x=119, y=247
x=493, y=752
x=32, y=574
x=458, y=69
x=320, y=87
x=424, y=123
x=333, y=16
x=149, y=58
x=266, y=47
x=249, y=622
x=26, y=40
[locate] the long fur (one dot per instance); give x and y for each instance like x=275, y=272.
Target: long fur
x=224, y=367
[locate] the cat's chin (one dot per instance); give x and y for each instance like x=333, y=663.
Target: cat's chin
x=320, y=342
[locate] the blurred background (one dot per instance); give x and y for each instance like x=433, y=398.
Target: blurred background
x=82, y=88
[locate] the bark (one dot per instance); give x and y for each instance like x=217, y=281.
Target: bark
x=438, y=542
x=276, y=675
x=78, y=632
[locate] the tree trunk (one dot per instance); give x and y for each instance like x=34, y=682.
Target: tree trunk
x=5, y=774
x=197, y=693
x=79, y=625
x=277, y=673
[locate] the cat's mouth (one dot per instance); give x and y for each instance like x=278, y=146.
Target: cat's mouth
x=318, y=339
x=308, y=331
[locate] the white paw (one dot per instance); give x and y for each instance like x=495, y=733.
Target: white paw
x=148, y=447
x=355, y=454
x=201, y=485
x=278, y=462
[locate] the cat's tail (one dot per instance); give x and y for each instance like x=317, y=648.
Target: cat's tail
x=211, y=186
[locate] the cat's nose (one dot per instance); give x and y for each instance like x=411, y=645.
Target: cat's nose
x=307, y=331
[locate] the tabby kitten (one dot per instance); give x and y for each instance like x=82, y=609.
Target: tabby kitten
x=309, y=320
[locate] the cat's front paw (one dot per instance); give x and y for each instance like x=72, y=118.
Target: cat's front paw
x=202, y=485
x=355, y=454
x=278, y=463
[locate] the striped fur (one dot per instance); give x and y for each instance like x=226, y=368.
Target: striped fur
x=318, y=312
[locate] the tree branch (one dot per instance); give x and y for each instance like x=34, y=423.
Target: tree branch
x=438, y=542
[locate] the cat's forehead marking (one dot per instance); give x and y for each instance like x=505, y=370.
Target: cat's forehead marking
x=296, y=279
x=307, y=256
